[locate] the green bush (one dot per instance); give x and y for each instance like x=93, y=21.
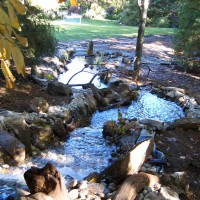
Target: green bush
x=37, y=28
x=187, y=38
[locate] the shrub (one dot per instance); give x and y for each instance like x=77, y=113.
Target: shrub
x=37, y=28
x=187, y=38
x=95, y=11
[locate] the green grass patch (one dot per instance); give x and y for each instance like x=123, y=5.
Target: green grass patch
x=91, y=29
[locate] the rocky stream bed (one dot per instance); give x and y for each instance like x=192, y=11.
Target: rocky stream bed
x=95, y=130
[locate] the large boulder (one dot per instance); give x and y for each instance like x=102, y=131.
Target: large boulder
x=18, y=126
x=59, y=129
x=47, y=181
x=12, y=150
x=130, y=163
x=81, y=108
x=58, y=88
x=41, y=135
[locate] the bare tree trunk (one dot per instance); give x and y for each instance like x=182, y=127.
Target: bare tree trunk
x=143, y=6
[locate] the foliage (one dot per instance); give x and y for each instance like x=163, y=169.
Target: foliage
x=95, y=11
x=40, y=33
x=161, y=13
x=9, y=28
x=187, y=39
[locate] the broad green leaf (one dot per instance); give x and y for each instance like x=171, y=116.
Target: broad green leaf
x=18, y=60
x=19, y=6
x=13, y=17
x=22, y=40
x=10, y=79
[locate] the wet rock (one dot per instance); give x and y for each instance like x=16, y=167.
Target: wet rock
x=152, y=125
x=39, y=105
x=122, y=87
x=18, y=126
x=110, y=128
x=193, y=112
x=185, y=123
x=114, y=84
x=111, y=98
x=81, y=108
x=41, y=135
x=11, y=149
x=59, y=129
x=58, y=88
x=46, y=181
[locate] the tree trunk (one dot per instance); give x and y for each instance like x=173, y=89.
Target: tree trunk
x=143, y=6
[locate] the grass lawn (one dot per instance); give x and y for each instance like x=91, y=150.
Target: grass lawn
x=91, y=29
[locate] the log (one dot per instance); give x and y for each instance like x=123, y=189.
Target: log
x=13, y=149
x=130, y=163
x=134, y=184
x=48, y=181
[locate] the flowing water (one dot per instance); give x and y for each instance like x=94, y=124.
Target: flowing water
x=86, y=150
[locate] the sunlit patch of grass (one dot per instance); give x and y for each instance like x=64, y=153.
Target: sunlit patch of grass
x=91, y=29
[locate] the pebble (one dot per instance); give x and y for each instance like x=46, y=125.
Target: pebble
x=5, y=166
x=74, y=194
x=73, y=184
x=82, y=185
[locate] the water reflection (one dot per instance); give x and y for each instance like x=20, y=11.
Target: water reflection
x=77, y=64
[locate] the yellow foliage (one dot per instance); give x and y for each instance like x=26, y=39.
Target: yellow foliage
x=8, y=75
x=13, y=17
x=19, y=7
x=73, y=2
x=8, y=49
x=18, y=60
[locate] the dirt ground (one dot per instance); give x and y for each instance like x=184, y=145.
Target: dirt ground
x=183, y=150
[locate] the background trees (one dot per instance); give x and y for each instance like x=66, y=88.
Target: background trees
x=187, y=39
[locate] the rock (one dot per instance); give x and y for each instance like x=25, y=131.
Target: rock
x=130, y=163
x=168, y=194
x=185, y=123
x=193, y=112
x=177, y=181
x=122, y=87
x=114, y=84
x=173, y=91
x=110, y=128
x=46, y=181
x=40, y=81
x=37, y=196
x=74, y=194
x=13, y=151
x=134, y=184
x=111, y=98
x=39, y=105
x=152, y=125
x=81, y=108
x=59, y=129
x=18, y=126
x=41, y=134
x=58, y=88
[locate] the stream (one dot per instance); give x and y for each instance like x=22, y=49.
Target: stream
x=86, y=150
